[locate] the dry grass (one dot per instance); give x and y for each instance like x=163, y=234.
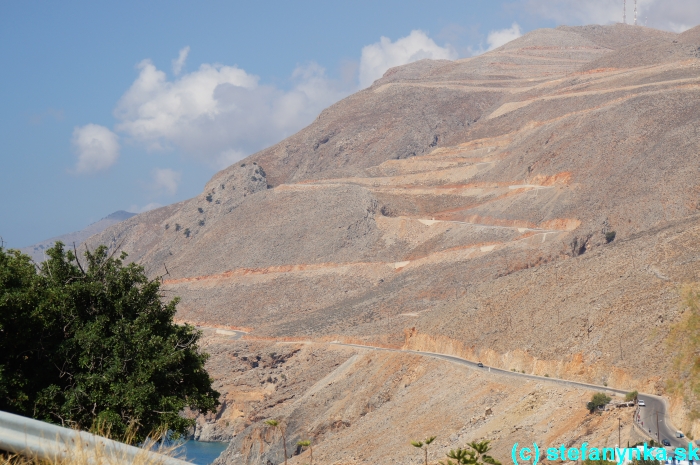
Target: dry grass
x=81, y=452
x=683, y=342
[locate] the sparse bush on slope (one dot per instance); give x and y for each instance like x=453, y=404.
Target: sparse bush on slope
x=599, y=399
x=683, y=342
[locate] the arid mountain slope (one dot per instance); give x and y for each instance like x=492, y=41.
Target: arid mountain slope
x=359, y=406
x=467, y=207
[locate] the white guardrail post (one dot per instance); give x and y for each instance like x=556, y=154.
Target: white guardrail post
x=37, y=439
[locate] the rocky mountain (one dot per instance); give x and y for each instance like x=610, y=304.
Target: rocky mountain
x=536, y=207
x=37, y=250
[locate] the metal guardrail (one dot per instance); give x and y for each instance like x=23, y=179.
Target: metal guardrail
x=37, y=439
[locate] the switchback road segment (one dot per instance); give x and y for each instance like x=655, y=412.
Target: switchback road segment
x=648, y=417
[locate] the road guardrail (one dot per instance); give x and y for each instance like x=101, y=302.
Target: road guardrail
x=40, y=440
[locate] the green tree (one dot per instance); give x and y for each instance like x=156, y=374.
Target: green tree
x=276, y=425
x=481, y=448
x=94, y=346
x=23, y=340
x=307, y=443
x=461, y=456
x=424, y=445
x=630, y=396
x=599, y=399
x=475, y=454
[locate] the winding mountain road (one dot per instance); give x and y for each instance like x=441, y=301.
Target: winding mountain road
x=655, y=405
x=648, y=417
x=655, y=411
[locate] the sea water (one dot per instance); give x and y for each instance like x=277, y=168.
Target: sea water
x=201, y=453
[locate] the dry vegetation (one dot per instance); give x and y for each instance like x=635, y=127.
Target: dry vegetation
x=81, y=452
x=683, y=344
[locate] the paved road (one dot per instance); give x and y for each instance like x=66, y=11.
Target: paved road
x=501, y=371
x=654, y=404
x=647, y=415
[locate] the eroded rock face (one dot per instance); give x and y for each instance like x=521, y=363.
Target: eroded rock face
x=253, y=378
x=471, y=202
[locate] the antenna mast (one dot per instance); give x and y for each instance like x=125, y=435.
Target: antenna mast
x=624, y=11
x=635, y=12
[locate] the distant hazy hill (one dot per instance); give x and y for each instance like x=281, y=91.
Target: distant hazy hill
x=36, y=251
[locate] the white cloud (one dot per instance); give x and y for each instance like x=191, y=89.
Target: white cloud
x=156, y=111
x=145, y=208
x=218, y=113
x=166, y=180
x=672, y=15
x=496, y=38
x=96, y=146
x=385, y=54
x=180, y=61
x=501, y=37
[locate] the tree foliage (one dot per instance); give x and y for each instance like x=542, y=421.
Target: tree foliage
x=424, y=445
x=304, y=444
x=278, y=426
x=599, y=399
x=476, y=453
x=93, y=345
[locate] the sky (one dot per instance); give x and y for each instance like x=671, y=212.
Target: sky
x=132, y=105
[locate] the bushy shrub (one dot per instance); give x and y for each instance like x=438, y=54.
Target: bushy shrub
x=599, y=399
x=91, y=344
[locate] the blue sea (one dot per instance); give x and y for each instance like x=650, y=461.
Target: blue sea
x=202, y=453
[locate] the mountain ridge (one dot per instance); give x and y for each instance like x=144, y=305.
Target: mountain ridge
x=465, y=208
x=36, y=251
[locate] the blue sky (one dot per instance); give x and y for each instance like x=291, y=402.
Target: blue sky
x=98, y=114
